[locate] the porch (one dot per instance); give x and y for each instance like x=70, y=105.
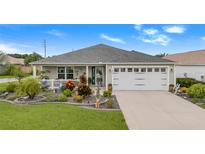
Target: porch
x=57, y=75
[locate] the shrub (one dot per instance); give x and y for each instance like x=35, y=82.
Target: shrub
x=84, y=90
x=11, y=69
x=197, y=91
x=184, y=89
x=67, y=93
x=89, y=80
x=30, y=87
x=62, y=98
x=78, y=98
x=83, y=79
x=187, y=82
x=109, y=104
x=51, y=98
x=11, y=87
x=19, y=74
x=63, y=87
x=70, y=85
x=107, y=93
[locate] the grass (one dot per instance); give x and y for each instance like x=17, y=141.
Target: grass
x=6, y=76
x=58, y=117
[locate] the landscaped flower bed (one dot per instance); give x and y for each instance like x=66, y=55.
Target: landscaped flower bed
x=31, y=92
x=194, y=94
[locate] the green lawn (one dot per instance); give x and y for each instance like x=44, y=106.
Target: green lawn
x=57, y=116
x=6, y=76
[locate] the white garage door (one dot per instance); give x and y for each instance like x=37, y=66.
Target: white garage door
x=140, y=78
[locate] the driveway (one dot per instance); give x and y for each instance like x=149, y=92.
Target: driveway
x=7, y=80
x=149, y=110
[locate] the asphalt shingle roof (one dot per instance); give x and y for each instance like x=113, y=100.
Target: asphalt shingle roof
x=101, y=54
x=188, y=58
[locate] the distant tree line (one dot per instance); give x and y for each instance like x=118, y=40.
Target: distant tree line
x=28, y=58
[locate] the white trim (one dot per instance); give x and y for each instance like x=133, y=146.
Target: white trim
x=34, y=71
x=106, y=72
x=87, y=73
x=174, y=75
x=168, y=77
x=139, y=63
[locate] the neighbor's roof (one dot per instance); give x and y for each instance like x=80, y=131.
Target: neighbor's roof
x=101, y=54
x=15, y=61
x=188, y=58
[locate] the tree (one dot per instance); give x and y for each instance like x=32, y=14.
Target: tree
x=2, y=56
x=32, y=57
x=161, y=54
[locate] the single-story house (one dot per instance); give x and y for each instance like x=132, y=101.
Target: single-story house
x=6, y=59
x=189, y=64
x=103, y=65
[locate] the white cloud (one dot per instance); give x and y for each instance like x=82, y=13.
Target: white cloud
x=150, y=31
x=109, y=38
x=158, y=40
x=10, y=49
x=174, y=29
x=56, y=33
x=7, y=48
x=203, y=38
x=138, y=27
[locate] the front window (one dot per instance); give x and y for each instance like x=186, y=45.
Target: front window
x=156, y=69
x=65, y=73
x=116, y=69
x=136, y=69
x=149, y=69
x=122, y=69
x=69, y=73
x=163, y=69
x=129, y=69
x=143, y=69
x=61, y=72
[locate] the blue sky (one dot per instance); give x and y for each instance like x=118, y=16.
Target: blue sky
x=149, y=38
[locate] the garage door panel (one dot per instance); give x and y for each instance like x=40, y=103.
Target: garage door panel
x=140, y=80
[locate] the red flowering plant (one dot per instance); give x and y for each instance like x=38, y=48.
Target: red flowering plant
x=70, y=85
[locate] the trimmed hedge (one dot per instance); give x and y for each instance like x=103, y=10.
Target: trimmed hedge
x=187, y=82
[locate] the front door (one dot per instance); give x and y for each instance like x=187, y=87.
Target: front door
x=93, y=75
x=99, y=75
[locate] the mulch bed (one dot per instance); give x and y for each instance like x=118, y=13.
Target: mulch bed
x=197, y=101
x=27, y=100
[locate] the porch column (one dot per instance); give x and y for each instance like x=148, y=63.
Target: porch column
x=174, y=71
x=34, y=71
x=87, y=73
x=106, y=71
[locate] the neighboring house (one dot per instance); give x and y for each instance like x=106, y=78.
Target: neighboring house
x=103, y=64
x=10, y=60
x=189, y=64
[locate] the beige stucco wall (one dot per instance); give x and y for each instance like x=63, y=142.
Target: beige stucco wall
x=79, y=70
x=51, y=71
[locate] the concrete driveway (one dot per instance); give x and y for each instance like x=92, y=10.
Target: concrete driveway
x=7, y=80
x=159, y=110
